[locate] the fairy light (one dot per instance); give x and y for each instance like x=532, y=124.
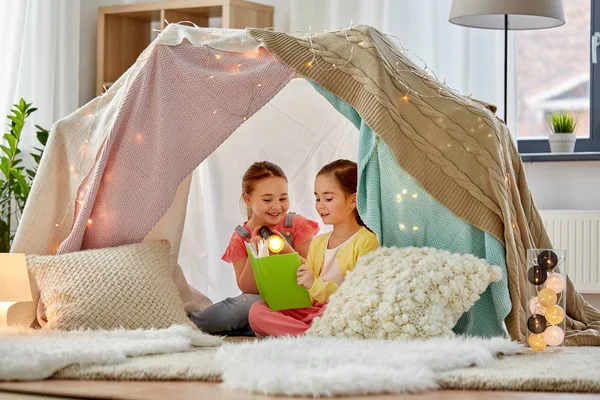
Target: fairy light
x=404, y=191
x=402, y=227
x=89, y=221
x=314, y=62
x=398, y=198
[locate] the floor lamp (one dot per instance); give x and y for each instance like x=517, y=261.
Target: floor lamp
x=507, y=15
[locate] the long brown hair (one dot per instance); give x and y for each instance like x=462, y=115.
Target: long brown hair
x=257, y=172
x=346, y=174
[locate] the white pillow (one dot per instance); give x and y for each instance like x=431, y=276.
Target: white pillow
x=120, y=287
x=405, y=293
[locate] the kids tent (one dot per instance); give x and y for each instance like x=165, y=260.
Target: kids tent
x=436, y=168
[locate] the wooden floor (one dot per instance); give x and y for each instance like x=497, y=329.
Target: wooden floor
x=208, y=391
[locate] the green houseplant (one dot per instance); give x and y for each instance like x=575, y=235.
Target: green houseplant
x=562, y=138
x=15, y=179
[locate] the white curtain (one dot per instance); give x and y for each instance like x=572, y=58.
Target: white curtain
x=40, y=61
x=471, y=60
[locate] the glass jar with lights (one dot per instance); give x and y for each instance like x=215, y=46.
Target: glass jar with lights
x=546, y=300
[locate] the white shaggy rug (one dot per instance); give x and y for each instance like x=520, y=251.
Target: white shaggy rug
x=35, y=354
x=310, y=366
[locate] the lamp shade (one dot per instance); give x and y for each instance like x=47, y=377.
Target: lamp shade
x=522, y=14
x=14, y=278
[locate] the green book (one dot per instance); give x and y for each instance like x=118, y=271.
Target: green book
x=276, y=280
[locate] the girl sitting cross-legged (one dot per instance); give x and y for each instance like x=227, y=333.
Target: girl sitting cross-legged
x=330, y=256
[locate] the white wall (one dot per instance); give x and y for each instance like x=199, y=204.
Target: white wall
x=565, y=185
x=89, y=8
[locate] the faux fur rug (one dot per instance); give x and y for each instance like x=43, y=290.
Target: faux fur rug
x=35, y=354
x=310, y=366
x=569, y=369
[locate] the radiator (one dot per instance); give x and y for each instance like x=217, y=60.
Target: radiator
x=579, y=233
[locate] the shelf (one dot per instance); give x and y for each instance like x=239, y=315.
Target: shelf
x=124, y=31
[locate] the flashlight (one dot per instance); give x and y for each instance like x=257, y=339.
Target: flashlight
x=274, y=241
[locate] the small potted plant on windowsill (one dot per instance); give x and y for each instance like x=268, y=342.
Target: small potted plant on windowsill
x=562, y=139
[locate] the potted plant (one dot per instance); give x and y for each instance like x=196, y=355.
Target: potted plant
x=15, y=179
x=562, y=139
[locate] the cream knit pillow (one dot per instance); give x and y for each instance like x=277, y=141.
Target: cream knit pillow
x=127, y=286
x=405, y=293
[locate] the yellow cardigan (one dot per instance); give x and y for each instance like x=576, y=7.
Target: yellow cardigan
x=364, y=242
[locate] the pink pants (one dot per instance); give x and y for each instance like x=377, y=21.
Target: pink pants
x=264, y=321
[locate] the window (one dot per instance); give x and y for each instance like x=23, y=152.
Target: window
x=555, y=74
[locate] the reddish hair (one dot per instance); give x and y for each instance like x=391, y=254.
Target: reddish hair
x=345, y=173
x=257, y=172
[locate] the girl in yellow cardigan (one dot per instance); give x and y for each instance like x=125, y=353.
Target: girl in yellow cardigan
x=330, y=256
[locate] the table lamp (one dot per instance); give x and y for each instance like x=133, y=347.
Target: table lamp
x=14, y=283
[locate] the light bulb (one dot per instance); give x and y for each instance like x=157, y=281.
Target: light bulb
x=537, y=342
x=547, y=297
x=537, y=275
x=556, y=282
x=536, y=323
x=553, y=335
x=547, y=259
x=275, y=244
x=535, y=308
x=554, y=314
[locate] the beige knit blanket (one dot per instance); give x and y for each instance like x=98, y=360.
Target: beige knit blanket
x=455, y=147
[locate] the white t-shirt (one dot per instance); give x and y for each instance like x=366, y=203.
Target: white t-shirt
x=330, y=272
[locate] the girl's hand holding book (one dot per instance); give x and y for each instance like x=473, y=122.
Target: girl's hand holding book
x=305, y=277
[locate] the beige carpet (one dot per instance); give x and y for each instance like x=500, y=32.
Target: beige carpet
x=569, y=369
x=566, y=369
x=198, y=364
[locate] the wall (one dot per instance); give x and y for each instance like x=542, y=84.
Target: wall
x=565, y=185
x=87, y=44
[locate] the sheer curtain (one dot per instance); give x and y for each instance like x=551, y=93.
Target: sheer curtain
x=40, y=61
x=471, y=60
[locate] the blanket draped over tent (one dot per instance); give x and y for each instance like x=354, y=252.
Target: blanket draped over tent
x=115, y=171
x=457, y=150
